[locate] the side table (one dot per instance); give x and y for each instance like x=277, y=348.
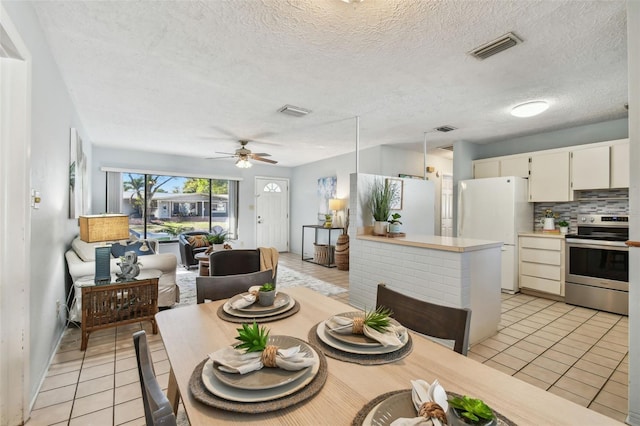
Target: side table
x=323, y=253
x=110, y=305
x=203, y=264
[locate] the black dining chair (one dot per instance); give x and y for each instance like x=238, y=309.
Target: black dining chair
x=226, y=286
x=442, y=322
x=157, y=407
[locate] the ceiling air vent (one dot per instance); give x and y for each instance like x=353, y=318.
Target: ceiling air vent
x=496, y=46
x=294, y=110
x=445, y=129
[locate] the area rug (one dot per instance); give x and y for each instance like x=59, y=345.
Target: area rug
x=287, y=278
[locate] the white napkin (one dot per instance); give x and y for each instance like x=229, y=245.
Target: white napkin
x=232, y=360
x=422, y=392
x=344, y=325
x=247, y=299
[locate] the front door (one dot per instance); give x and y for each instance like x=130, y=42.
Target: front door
x=272, y=213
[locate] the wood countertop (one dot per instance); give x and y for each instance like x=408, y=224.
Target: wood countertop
x=541, y=234
x=435, y=242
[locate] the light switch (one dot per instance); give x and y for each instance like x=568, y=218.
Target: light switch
x=35, y=199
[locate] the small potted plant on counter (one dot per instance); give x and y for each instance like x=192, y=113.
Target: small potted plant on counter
x=471, y=411
x=394, y=223
x=564, y=226
x=381, y=198
x=266, y=294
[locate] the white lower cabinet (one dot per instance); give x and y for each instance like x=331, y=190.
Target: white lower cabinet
x=541, y=264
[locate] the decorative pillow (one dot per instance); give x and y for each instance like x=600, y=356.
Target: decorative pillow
x=141, y=248
x=197, y=241
x=85, y=251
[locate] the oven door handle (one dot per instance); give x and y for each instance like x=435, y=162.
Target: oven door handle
x=632, y=243
x=595, y=244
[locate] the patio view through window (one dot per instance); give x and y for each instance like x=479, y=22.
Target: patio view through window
x=162, y=207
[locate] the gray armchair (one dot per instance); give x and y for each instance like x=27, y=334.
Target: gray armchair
x=187, y=251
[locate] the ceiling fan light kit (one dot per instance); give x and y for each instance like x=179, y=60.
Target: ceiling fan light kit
x=243, y=163
x=529, y=109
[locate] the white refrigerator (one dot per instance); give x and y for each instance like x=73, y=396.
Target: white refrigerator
x=496, y=209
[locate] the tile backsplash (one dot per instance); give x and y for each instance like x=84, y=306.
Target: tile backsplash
x=609, y=201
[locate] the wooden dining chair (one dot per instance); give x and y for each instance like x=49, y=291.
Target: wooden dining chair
x=226, y=286
x=442, y=322
x=157, y=408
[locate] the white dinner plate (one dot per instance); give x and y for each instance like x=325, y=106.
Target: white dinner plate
x=267, y=378
x=321, y=331
x=228, y=309
x=221, y=390
x=281, y=300
x=392, y=408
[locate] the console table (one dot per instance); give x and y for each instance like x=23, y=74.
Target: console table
x=327, y=250
x=110, y=305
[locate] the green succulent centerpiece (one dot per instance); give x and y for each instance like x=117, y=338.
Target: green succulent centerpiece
x=267, y=287
x=252, y=338
x=472, y=410
x=377, y=319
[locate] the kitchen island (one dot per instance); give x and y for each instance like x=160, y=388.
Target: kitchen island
x=459, y=272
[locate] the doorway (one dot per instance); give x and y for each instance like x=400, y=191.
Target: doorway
x=15, y=165
x=272, y=213
x=446, y=206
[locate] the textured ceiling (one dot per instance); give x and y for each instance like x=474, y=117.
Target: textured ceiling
x=192, y=77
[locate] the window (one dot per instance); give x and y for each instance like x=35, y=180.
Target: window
x=272, y=187
x=162, y=207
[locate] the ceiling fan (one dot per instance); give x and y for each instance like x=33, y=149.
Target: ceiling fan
x=243, y=154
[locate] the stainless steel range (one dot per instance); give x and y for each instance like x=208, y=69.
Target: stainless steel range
x=597, y=264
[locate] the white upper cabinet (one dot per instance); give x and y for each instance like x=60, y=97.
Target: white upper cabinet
x=486, y=169
x=590, y=168
x=549, y=178
x=515, y=166
x=505, y=166
x=620, y=165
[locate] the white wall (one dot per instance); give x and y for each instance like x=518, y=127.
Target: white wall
x=177, y=165
x=52, y=116
x=382, y=160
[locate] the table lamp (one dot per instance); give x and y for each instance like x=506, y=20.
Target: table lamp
x=335, y=204
x=101, y=228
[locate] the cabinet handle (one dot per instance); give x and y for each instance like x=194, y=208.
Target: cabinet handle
x=632, y=243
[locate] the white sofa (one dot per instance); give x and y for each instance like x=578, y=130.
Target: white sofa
x=81, y=262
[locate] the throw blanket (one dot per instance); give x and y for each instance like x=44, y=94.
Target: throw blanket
x=268, y=259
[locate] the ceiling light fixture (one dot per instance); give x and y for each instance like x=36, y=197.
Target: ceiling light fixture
x=243, y=163
x=529, y=109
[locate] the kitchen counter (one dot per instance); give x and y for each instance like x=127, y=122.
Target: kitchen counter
x=434, y=242
x=459, y=272
x=541, y=234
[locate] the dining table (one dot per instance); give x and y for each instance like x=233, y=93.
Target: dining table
x=190, y=333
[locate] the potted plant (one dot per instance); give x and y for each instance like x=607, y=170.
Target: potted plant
x=394, y=223
x=266, y=294
x=548, y=220
x=218, y=239
x=471, y=411
x=381, y=198
x=564, y=226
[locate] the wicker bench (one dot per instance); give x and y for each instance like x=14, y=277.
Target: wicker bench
x=110, y=305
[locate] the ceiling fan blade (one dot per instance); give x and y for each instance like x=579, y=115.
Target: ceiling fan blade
x=261, y=154
x=266, y=160
x=226, y=153
x=218, y=158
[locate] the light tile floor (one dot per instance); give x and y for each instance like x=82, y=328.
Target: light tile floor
x=577, y=353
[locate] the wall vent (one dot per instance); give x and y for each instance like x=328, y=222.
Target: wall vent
x=496, y=46
x=445, y=129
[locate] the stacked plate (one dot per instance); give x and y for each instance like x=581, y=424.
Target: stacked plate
x=265, y=384
x=282, y=303
x=356, y=343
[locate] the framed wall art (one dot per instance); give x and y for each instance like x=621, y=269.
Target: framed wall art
x=396, y=184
